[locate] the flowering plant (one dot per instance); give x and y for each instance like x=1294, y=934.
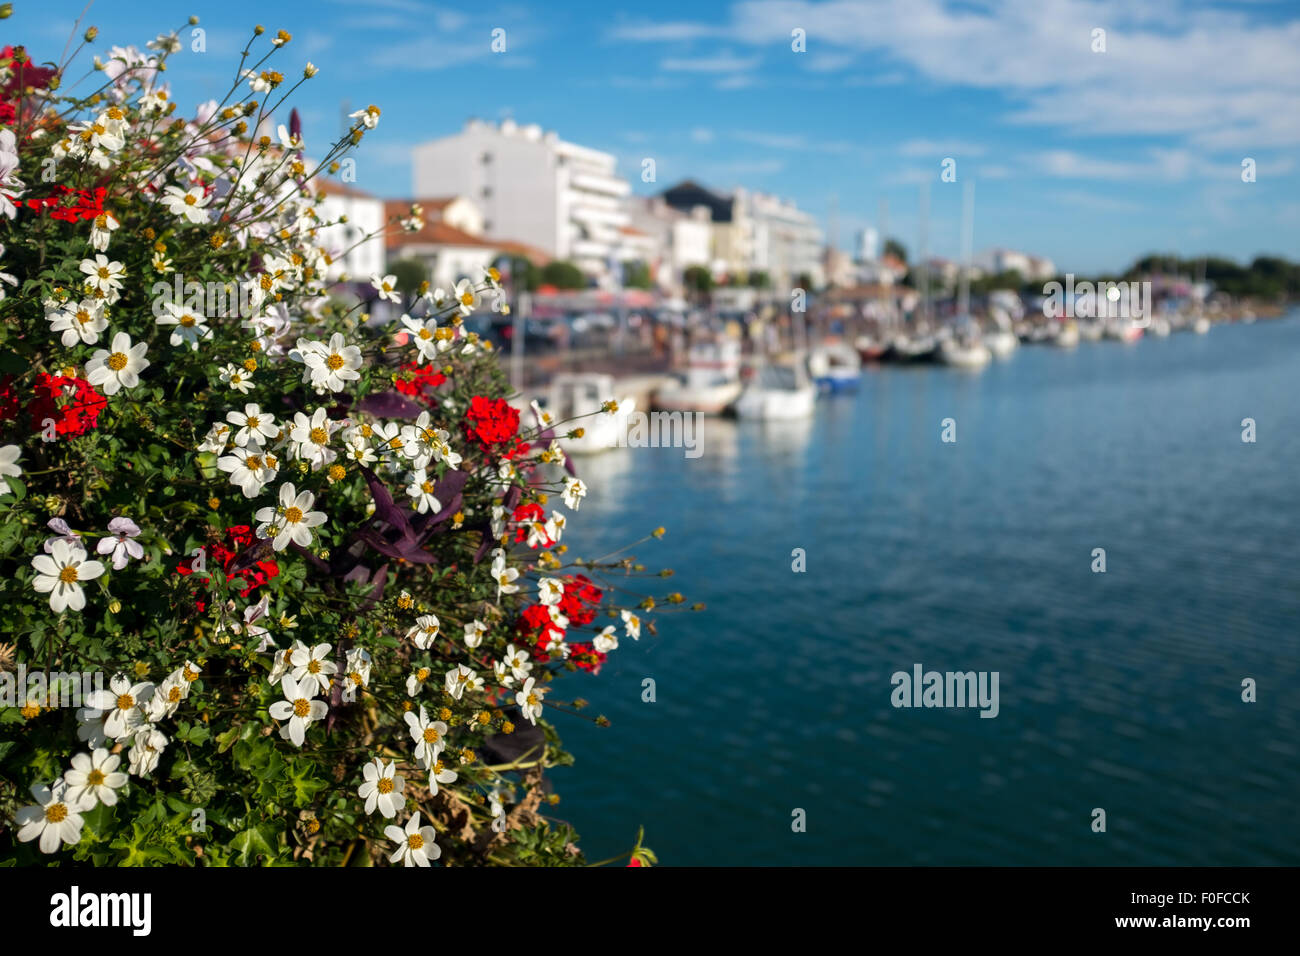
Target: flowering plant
x=317, y=562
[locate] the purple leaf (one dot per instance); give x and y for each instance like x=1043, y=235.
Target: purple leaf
x=391, y=405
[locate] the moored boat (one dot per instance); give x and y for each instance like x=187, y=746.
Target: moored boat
x=709, y=383
x=778, y=391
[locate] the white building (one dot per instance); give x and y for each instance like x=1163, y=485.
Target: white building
x=683, y=239
x=357, y=259
x=532, y=186
x=1032, y=268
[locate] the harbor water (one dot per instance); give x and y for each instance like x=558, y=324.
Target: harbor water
x=1119, y=690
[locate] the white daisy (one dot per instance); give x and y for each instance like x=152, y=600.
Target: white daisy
x=190, y=326
x=94, y=778
x=529, y=699
x=425, y=631
x=103, y=275
x=188, y=204
x=415, y=843
x=251, y=468
x=430, y=736
x=313, y=665
x=54, y=819
x=117, y=367
x=292, y=520
x=386, y=286
x=122, y=705
x=574, y=491
x=299, y=708
x=61, y=574
x=460, y=679
x=382, y=788
x=9, y=455
x=80, y=322
x=252, y=424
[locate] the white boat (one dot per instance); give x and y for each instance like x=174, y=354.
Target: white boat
x=1201, y=325
x=581, y=396
x=1090, y=331
x=835, y=367
x=779, y=391
x=709, y=383
x=1123, y=330
x=1067, y=336
x=1001, y=342
x=964, y=353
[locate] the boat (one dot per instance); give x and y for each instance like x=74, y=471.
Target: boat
x=960, y=352
x=1066, y=337
x=1001, y=342
x=779, y=391
x=1123, y=330
x=924, y=348
x=870, y=349
x=709, y=383
x=1090, y=331
x=835, y=367
x=581, y=396
x=1201, y=325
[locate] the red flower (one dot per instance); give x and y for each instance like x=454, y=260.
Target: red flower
x=71, y=205
x=224, y=553
x=416, y=381
x=531, y=517
x=634, y=862
x=22, y=74
x=494, y=424
x=586, y=657
x=72, y=404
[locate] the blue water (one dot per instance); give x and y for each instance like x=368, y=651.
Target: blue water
x=1119, y=691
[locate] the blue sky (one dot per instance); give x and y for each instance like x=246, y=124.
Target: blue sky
x=1091, y=158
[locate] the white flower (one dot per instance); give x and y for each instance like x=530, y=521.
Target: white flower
x=474, y=632
x=382, y=788
x=517, y=660
x=9, y=455
x=62, y=533
x=369, y=116
x=330, y=365
x=504, y=576
x=415, y=682
x=120, y=544
x=103, y=275
x=460, y=679
x=440, y=773
x=188, y=204
x=80, y=322
x=283, y=662
x=55, y=818
x=606, y=640
x=387, y=288
x=101, y=231
x=253, y=424
x=94, y=778
x=292, y=520
x=312, y=434
x=313, y=665
x=190, y=327
x=216, y=438
x=425, y=631
x=123, y=704
x=299, y=707
x=430, y=736
x=415, y=843
x=424, y=335
x=574, y=491
x=633, y=625
x=550, y=591
x=117, y=367
x=467, y=300
x=250, y=468
x=421, y=491
x=502, y=674
x=61, y=574
x=238, y=379
x=146, y=750
x=529, y=699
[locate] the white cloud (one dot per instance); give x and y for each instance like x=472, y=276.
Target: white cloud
x=721, y=63
x=939, y=148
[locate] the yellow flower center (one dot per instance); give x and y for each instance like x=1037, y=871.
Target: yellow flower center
x=253, y=421
x=189, y=199
x=188, y=321
x=293, y=515
x=467, y=298
x=253, y=462
x=431, y=736
x=68, y=575
x=335, y=361
x=425, y=334
x=125, y=702
x=56, y=813
x=95, y=778
x=318, y=436
x=385, y=785
x=532, y=700
x=301, y=707
x=415, y=841
x=83, y=316
x=103, y=272
x=426, y=487
x=117, y=361
x=313, y=667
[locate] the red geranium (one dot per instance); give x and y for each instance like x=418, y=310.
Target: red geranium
x=71, y=205
x=416, y=381
x=224, y=553
x=494, y=424
x=72, y=404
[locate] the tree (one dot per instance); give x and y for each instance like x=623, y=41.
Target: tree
x=563, y=275
x=759, y=279
x=698, y=279
x=895, y=248
x=523, y=275
x=636, y=275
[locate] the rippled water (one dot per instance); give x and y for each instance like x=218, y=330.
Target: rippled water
x=1119, y=690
